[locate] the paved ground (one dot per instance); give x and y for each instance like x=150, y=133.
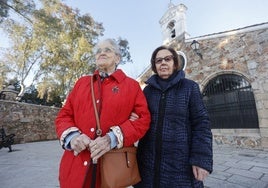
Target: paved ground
x=35, y=165
x=31, y=165
x=238, y=168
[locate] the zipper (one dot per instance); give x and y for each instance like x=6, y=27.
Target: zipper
x=158, y=142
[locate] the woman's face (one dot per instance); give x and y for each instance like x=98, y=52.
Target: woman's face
x=106, y=58
x=164, y=63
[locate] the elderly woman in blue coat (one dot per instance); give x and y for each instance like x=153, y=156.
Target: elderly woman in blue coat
x=176, y=152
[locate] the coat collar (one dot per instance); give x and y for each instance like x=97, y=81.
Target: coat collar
x=153, y=80
x=118, y=75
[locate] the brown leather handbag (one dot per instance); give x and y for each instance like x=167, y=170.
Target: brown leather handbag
x=118, y=167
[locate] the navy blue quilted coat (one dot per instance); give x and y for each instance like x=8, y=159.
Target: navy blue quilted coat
x=179, y=135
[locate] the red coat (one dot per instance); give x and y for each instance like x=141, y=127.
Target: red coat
x=118, y=96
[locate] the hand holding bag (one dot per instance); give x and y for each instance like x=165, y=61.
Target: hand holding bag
x=118, y=167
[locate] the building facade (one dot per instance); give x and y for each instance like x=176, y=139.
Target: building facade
x=231, y=68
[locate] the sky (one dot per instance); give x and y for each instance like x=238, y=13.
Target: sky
x=138, y=21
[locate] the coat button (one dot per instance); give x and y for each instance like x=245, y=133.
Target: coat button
x=85, y=163
x=92, y=130
x=97, y=101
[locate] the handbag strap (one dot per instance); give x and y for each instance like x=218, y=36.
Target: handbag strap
x=98, y=131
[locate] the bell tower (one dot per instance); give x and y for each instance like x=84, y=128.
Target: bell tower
x=173, y=23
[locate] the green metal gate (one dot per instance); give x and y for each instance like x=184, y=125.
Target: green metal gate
x=230, y=102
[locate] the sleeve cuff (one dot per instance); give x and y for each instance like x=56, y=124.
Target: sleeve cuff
x=68, y=139
x=119, y=136
x=65, y=133
x=113, y=139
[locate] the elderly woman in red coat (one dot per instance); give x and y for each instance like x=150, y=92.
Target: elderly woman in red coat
x=116, y=97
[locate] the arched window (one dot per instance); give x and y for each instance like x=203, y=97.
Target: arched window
x=171, y=28
x=230, y=102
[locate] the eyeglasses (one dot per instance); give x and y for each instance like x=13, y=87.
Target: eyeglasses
x=167, y=59
x=104, y=50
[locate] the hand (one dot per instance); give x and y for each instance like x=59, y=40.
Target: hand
x=199, y=173
x=133, y=116
x=79, y=143
x=99, y=147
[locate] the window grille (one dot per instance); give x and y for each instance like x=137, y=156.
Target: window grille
x=230, y=102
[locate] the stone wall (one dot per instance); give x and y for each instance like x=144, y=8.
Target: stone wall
x=242, y=52
x=29, y=122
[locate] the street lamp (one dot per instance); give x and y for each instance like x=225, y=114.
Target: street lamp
x=195, y=46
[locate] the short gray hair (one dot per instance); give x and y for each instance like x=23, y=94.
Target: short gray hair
x=113, y=43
